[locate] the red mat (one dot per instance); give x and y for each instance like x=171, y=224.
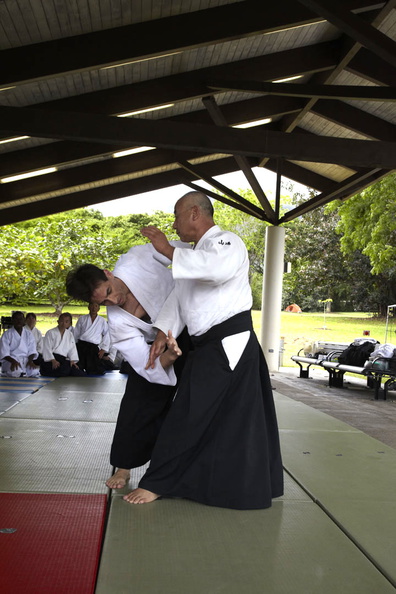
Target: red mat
x=50, y=543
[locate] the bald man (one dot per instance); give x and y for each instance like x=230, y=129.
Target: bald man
x=219, y=443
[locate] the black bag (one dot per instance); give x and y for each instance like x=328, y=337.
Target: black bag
x=356, y=355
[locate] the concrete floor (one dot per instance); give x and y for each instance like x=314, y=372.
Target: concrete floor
x=354, y=404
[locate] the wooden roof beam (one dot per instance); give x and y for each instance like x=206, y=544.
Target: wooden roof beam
x=362, y=32
x=196, y=137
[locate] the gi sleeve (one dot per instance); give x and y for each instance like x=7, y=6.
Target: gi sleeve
x=169, y=317
x=78, y=330
x=136, y=351
x=31, y=344
x=39, y=341
x=48, y=346
x=105, y=342
x=72, y=353
x=5, y=348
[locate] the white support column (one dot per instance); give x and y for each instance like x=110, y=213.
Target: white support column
x=272, y=295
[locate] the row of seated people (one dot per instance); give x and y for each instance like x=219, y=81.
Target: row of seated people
x=63, y=351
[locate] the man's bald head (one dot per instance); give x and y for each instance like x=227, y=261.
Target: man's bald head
x=198, y=199
x=193, y=216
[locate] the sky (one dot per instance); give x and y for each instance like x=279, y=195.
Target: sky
x=165, y=199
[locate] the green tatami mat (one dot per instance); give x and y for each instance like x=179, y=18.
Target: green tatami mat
x=350, y=465
x=10, y=399
x=113, y=382
x=54, y=456
x=350, y=474
x=69, y=405
x=292, y=490
x=181, y=547
x=300, y=417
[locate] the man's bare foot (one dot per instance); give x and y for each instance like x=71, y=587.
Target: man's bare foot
x=119, y=479
x=140, y=496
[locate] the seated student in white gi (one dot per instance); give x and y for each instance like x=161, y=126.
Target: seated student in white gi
x=134, y=293
x=219, y=443
x=60, y=351
x=93, y=342
x=18, y=349
x=31, y=320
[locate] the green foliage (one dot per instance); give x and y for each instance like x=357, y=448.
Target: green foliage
x=36, y=255
x=368, y=224
x=312, y=246
x=125, y=229
x=321, y=270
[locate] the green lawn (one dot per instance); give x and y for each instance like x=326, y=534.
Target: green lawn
x=297, y=329
x=46, y=317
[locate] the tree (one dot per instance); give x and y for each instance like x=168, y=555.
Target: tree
x=36, y=256
x=368, y=224
x=318, y=271
x=125, y=229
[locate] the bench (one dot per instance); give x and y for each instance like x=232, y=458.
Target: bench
x=5, y=323
x=327, y=360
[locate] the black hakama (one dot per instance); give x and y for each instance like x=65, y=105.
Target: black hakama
x=142, y=411
x=88, y=358
x=219, y=444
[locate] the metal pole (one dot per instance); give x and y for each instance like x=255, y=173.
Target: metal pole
x=387, y=320
x=272, y=295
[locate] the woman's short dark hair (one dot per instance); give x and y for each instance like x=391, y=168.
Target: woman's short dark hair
x=82, y=281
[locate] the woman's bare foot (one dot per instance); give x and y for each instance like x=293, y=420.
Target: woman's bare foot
x=119, y=479
x=140, y=496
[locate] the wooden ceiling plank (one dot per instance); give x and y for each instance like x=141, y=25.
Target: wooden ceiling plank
x=350, y=51
x=149, y=39
x=192, y=85
x=154, y=38
x=358, y=29
x=303, y=176
x=355, y=119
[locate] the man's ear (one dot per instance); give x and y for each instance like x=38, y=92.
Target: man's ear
x=108, y=274
x=195, y=212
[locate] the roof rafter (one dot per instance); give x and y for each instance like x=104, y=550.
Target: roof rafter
x=79, y=199
x=362, y=32
x=223, y=189
x=201, y=138
x=220, y=120
x=308, y=90
x=340, y=191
